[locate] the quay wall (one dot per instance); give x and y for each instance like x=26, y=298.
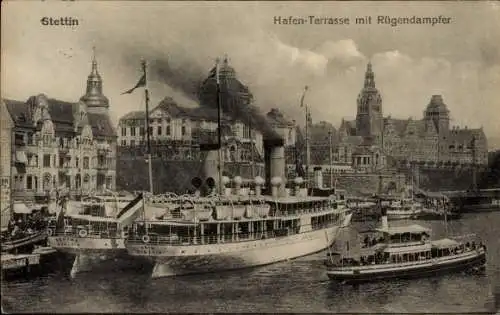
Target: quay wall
x=367, y=184
x=171, y=175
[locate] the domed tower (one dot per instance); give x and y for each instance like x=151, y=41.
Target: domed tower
x=438, y=113
x=94, y=98
x=369, y=112
x=232, y=91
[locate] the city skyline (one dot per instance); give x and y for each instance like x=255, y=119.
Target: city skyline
x=181, y=41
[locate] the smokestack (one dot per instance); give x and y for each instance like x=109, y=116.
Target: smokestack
x=318, y=177
x=211, y=166
x=274, y=155
x=259, y=181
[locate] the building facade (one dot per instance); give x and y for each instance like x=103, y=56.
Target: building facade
x=58, y=145
x=6, y=125
x=176, y=131
x=429, y=142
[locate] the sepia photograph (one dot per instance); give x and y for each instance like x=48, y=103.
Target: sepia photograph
x=250, y=157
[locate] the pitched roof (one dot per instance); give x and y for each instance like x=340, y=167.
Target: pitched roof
x=137, y=114
x=61, y=114
x=101, y=125
x=349, y=126
x=19, y=113
x=169, y=106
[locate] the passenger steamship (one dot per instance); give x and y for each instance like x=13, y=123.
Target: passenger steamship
x=238, y=229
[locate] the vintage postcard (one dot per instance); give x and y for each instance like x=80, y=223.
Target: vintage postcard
x=266, y=156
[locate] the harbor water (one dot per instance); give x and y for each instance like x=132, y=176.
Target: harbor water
x=299, y=285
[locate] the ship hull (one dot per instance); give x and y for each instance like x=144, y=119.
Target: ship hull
x=412, y=270
x=400, y=216
x=96, y=254
x=181, y=260
x=437, y=216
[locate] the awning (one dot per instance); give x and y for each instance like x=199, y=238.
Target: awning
x=20, y=207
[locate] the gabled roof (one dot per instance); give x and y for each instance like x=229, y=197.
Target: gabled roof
x=464, y=135
x=61, y=114
x=61, y=111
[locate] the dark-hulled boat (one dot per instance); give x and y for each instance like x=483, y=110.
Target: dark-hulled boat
x=406, y=252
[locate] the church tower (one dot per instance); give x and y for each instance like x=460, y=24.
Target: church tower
x=369, y=112
x=437, y=112
x=95, y=100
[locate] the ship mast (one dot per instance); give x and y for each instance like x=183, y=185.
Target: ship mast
x=219, y=125
x=331, y=157
x=148, y=135
x=308, y=149
x=252, y=165
x=474, y=170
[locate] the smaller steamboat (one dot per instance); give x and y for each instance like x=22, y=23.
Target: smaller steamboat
x=406, y=252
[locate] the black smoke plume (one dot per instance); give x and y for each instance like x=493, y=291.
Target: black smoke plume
x=235, y=98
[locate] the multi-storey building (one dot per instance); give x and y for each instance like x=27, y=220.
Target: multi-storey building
x=6, y=126
x=176, y=131
x=58, y=144
x=430, y=142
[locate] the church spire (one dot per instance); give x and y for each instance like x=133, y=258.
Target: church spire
x=369, y=76
x=94, y=97
x=94, y=71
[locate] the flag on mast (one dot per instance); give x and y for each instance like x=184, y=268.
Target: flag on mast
x=217, y=71
x=141, y=82
x=303, y=96
x=131, y=212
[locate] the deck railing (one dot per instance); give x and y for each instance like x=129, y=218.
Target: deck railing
x=175, y=240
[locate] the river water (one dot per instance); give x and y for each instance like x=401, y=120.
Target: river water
x=299, y=285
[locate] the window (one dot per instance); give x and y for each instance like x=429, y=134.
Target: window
x=77, y=162
x=158, y=130
x=132, y=131
x=61, y=161
x=124, y=142
x=46, y=160
x=183, y=130
x=86, y=162
x=124, y=131
x=168, y=131
x=141, y=131
x=150, y=131
x=29, y=182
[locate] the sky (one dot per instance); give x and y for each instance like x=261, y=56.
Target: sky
x=459, y=60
